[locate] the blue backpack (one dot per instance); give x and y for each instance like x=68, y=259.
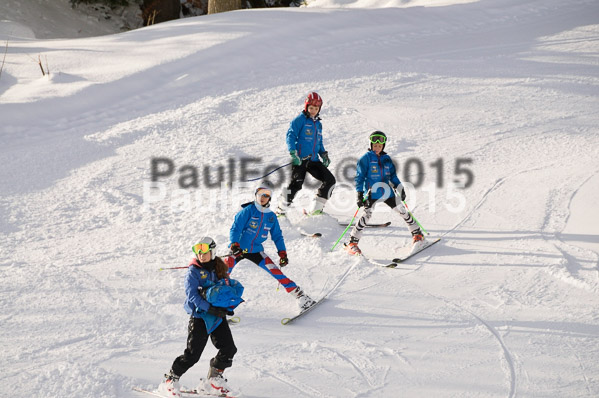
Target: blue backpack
x=225, y=293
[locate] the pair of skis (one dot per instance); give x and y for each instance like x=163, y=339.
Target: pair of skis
x=184, y=393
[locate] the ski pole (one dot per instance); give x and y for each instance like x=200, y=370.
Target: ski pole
x=269, y=173
x=266, y=175
x=410, y=213
x=346, y=228
x=166, y=268
x=351, y=222
x=420, y=225
x=187, y=266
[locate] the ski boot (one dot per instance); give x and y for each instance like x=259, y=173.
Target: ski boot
x=170, y=386
x=303, y=300
x=418, y=241
x=317, y=207
x=282, y=207
x=215, y=383
x=352, y=247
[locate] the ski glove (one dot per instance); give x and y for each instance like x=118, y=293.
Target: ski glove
x=295, y=160
x=236, y=250
x=360, y=199
x=220, y=311
x=202, y=292
x=402, y=194
x=325, y=159
x=283, y=260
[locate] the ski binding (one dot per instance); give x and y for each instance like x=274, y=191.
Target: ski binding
x=287, y=321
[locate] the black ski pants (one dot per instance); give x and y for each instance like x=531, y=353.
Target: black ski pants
x=197, y=338
x=316, y=170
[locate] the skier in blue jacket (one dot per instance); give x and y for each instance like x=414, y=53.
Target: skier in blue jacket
x=250, y=229
x=305, y=145
x=376, y=174
x=206, y=283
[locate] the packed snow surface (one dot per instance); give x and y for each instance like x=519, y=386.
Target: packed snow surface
x=491, y=109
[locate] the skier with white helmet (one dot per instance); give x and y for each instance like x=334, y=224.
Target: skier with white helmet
x=376, y=174
x=250, y=229
x=211, y=296
x=305, y=145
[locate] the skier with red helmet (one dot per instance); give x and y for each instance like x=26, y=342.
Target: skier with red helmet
x=305, y=145
x=376, y=174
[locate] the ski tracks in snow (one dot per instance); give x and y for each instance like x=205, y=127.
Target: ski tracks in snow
x=507, y=355
x=567, y=269
x=576, y=259
x=510, y=366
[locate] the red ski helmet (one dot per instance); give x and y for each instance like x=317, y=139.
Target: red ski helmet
x=313, y=99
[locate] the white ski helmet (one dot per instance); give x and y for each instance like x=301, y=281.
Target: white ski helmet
x=204, y=245
x=264, y=187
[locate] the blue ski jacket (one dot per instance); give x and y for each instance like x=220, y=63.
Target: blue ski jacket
x=305, y=137
x=219, y=293
x=373, y=169
x=252, y=226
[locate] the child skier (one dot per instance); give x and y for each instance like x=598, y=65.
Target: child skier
x=250, y=229
x=376, y=172
x=210, y=297
x=304, y=142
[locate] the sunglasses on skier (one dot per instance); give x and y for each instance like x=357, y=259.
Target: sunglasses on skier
x=201, y=248
x=264, y=193
x=378, y=139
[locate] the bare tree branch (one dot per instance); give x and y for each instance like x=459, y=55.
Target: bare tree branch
x=4, y=58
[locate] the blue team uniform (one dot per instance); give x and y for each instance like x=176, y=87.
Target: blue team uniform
x=252, y=226
x=305, y=137
x=374, y=169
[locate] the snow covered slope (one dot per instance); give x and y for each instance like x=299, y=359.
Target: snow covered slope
x=501, y=94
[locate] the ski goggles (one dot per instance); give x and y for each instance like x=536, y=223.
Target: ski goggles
x=378, y=139
x=264, y=193
x=201, y=248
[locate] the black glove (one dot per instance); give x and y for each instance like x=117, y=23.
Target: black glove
x=202, y=292
x=283, y=260
x=236, y=250
x=360, y=199
x=220, y=311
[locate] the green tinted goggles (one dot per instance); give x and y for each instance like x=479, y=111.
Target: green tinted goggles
x=378, y=139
